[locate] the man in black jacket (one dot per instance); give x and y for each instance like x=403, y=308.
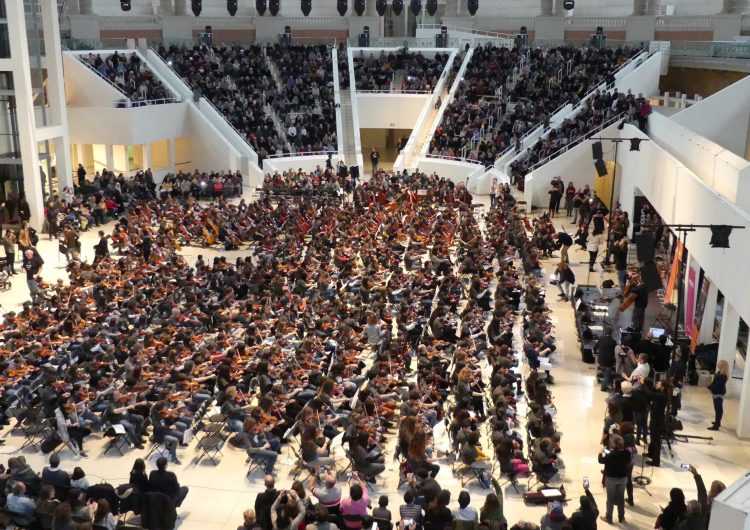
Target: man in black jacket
x=263, y=503
x=53, y=475
x=605, y=350
x=166, y=482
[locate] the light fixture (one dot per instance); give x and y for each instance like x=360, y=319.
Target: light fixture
x=359, y=7
x=416, y=7
x=260, y=7
x=232, y=7
x=273, y=7
x=398, y=6
x=197, y=7
x=381, y=6
x=431, y=7
x=306, y=7
x=125, y=5
x=568, y=5
x=342, y=6
x=472, y=6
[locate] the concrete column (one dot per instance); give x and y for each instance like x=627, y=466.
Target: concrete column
x=709, y=315
x=109, y=153
x=451, y=8
x=743, y=415
x=730, y=327
x=85, y=7
x=171, y=155
x=146, y=153
x=546, y=7
x=180, y=7
x=21, y=68
x=72, y=7
x=56, y=92
x=166, y=7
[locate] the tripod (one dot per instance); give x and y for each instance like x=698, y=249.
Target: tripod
x=642, y=480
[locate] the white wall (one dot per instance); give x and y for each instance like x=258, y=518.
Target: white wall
x=716, y=166
x=454, y=170
x=306, y=163
x=389, y=111
x=576, y=165
x=84, y=88
x=641, y=77
x=719, y=120
x=138, y=125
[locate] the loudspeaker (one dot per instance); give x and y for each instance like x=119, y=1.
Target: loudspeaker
x=568, y=5
x=260, y=7
x=601, y=167
x=354, y=172
x=650, y=276
x=596, y=150
x=645, y=247
x=398, y=6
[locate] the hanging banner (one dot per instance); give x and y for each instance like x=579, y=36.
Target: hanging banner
x=690, y=301
x=673, y=272
x=700, y=308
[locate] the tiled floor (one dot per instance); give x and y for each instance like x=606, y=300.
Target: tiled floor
x=219, y=494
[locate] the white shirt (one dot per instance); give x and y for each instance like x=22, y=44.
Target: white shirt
x=642, y=370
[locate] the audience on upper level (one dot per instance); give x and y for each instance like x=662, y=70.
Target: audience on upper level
x=418, y=72
x=493, y=108
x=131, y=76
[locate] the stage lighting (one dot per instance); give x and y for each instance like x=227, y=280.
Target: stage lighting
x=431, y=7
x=273, y=7
x=398, y=6
x=635, y=144
x=342, y=6
x=232, y=7
x=197, y=7
x=720, y=236
x=260, y=7
x=472, y=6
x=125, y=5
x=306, y=7
x=381, y=6
x=568, y=5
x=416, y=7
x=359, y=7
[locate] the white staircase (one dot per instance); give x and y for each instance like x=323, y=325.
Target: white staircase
x=347, y=126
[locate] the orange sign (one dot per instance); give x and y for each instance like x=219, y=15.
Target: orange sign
x=675, y=270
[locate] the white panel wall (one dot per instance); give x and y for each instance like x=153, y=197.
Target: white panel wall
x=716, y=119
x=458, y=172
x=139, y=125
x=84, y=88
x=389, y=111
x=575, y=165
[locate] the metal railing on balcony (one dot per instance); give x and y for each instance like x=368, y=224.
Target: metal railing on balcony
x=717, y=49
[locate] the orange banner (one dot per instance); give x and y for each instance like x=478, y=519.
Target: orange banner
x=675, y=270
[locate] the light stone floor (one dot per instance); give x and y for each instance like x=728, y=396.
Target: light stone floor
x=219, y=494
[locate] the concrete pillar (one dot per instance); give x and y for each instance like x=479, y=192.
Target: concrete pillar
x=85, y=7
x=72, y=7
x=166, y=7
x=109, y=153
x=56, y=92
x=21, y=68
x=743, y=415
x=451, y=8
x=180, y=7
x=146, y=153
x=709, y=315
x=546, y=7
x=171, y=155
x=730, y=327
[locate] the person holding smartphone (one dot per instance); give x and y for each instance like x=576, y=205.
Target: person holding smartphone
x=584, y=518
x=616, y=462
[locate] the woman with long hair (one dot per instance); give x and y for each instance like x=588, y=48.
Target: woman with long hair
x=103, y=515
x=718, y=389
x=417, y=457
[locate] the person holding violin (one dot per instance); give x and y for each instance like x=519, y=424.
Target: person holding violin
x=234, y=407
x=367, y=466
x=67, y=416
x=165, y=433
x=315, y=449
x=261, y=445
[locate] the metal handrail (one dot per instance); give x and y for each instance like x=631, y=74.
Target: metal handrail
x=482, y=32
x=147, y=102
x=394, y=91
x=577, y=141
x=302, y=153
x=454, y=158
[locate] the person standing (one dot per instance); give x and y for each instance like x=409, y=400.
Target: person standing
x=659, y=398
x=493, y=193
x=81, y=176
x=32, y=264
x=718, y=389
x=264, y=501
x=620, y=253
x=554, y=198
x=9, y=243
x=616, y=461
x=639, y=305
x=570, y=193
x=565, y=241
x=375, y=159
x=565, y=281
x=593, y=244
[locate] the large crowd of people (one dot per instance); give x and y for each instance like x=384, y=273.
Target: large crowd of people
x=491, y=111
x=306, y=98
x=131, y=76
x=417, y=72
